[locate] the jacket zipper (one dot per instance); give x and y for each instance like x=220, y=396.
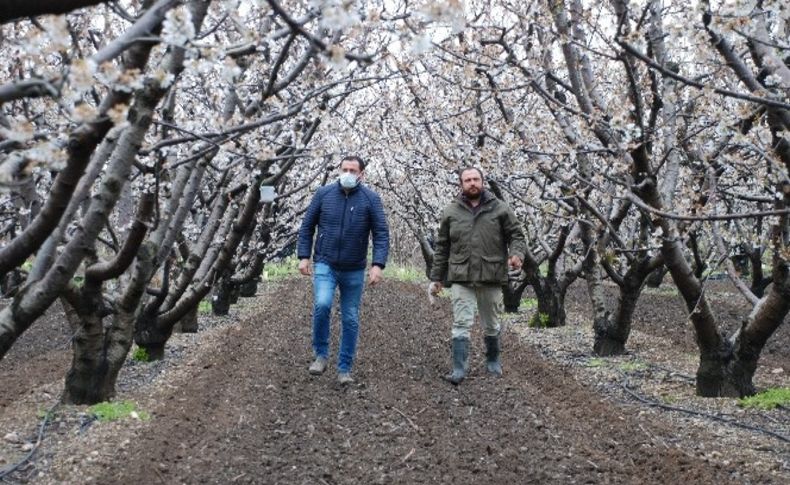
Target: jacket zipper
x=342, y=223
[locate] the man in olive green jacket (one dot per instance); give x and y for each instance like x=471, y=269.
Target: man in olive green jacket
x=479, y=237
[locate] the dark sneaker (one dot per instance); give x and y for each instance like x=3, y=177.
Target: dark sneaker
x=318, y=366
x=344, y=378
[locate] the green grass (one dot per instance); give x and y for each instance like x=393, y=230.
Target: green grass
x=528, y=303
x=407, y=274
x=543, y=269
x=768, y=399
x=633, y=366
x=280, y=270
x=115, y=410
x=45, y=413
x=595, y=362
x=539, y=320
x=139, y=354
x=204, y=307
x=290, y=267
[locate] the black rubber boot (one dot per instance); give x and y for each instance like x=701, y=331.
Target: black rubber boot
x=460, y=357
x=492, y=355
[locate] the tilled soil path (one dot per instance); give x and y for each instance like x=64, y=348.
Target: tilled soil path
x=243, y=409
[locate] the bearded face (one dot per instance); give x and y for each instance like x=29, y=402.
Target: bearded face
x=471, y=184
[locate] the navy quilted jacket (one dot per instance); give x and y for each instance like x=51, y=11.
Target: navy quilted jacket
x=345, y=223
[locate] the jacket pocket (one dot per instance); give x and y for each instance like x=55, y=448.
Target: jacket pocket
x=458, y=267
x=493, y=269
x=359, y=250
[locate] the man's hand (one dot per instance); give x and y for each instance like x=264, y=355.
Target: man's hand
x=375, y=275
x=304, y=267
x=434, y=288
x=514, y=262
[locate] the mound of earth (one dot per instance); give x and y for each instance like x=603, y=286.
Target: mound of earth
x=235, y=404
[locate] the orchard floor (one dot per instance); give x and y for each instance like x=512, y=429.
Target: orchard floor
x=235, y=404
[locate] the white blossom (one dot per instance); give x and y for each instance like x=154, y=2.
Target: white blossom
x=337, y=56
x=83, y=112
x=121, y=80
x=118, y=114
x=164, y=78
x=200, y=66
x=450, y=12
x=230, y=70
x=81, y=74
x=21, y=132
x=49, y=154
x=421, y=44
x=178, y=28
x=338, y=14
x=58, y=32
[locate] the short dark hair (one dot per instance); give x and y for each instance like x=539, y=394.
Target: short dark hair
x=354, y=158
x=469, y=167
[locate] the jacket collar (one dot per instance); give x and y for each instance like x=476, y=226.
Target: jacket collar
x=485, y=197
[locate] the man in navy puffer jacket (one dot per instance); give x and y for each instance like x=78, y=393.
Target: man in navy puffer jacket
x=346, y=214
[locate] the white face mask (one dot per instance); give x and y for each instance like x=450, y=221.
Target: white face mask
x=348, y=180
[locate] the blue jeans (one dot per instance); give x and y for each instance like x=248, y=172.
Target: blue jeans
x=351, y=283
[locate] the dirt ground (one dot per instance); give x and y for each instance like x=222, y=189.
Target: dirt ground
x=235, y=404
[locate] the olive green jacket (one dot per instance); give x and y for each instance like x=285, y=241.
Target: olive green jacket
x=472, y=248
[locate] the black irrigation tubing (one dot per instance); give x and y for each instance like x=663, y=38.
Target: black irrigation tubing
x=671, y=373
x=4, y=472
x=652, y=403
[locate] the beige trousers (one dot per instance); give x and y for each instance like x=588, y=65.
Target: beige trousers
x=487, y=300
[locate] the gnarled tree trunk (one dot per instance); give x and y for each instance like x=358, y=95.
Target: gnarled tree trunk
x=551, y=302
x=512, y=292
x=611, y=333
x=655, y=278
x=188, y=323
x=222, y=298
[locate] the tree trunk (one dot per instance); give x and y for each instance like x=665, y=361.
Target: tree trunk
x=249, y=289
x=91, y=384
x=759, y=281
x=28, y=199
x=149, y=337
x=223, y=296
x=741, y=263
x=595, y=289
x=732, y=373
x=87, y=366
x=220, y=302
x=511, y=294
x=10, y=283
x=612, y=334
x=551, y=304
x=189, y=323
x=426, y=249
x=97, y=355
x=712, y=346
x=153, y=343
x=655, y=278
x=234, y=293
x=247, y=284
